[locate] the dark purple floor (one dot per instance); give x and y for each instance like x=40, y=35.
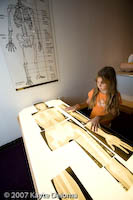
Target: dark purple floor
x=14, y=170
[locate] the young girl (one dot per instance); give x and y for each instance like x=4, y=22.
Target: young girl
x=104, y=100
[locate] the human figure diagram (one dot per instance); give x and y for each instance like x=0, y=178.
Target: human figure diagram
x=59, y=131
x=28, y=36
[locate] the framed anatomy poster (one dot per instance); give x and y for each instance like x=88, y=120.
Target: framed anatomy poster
x=28, y=42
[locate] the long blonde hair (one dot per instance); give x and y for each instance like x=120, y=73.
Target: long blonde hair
x=108, y=75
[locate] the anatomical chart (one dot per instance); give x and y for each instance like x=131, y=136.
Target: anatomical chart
x=59, y=129
x=109, y=140
x=28, y=42
x=68, y=184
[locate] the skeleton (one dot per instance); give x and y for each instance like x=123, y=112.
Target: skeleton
x=23, y=18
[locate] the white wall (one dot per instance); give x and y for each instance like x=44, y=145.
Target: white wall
x=89, y=35
x=125, y=83
x=125, y=87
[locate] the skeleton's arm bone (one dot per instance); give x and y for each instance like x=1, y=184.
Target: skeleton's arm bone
x=10, y=46
x=10, y=10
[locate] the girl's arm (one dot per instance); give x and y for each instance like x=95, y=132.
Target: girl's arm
x=108, y=117
x=78, y=106
x=101, y=119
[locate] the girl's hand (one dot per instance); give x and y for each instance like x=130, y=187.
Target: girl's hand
x=72, y=108
x=94, y=123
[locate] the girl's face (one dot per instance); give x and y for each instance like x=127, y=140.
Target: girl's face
x=102, y=85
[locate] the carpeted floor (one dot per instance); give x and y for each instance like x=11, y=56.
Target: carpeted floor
x=14, y=170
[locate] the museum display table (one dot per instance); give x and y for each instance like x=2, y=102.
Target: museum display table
x=69, y=161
